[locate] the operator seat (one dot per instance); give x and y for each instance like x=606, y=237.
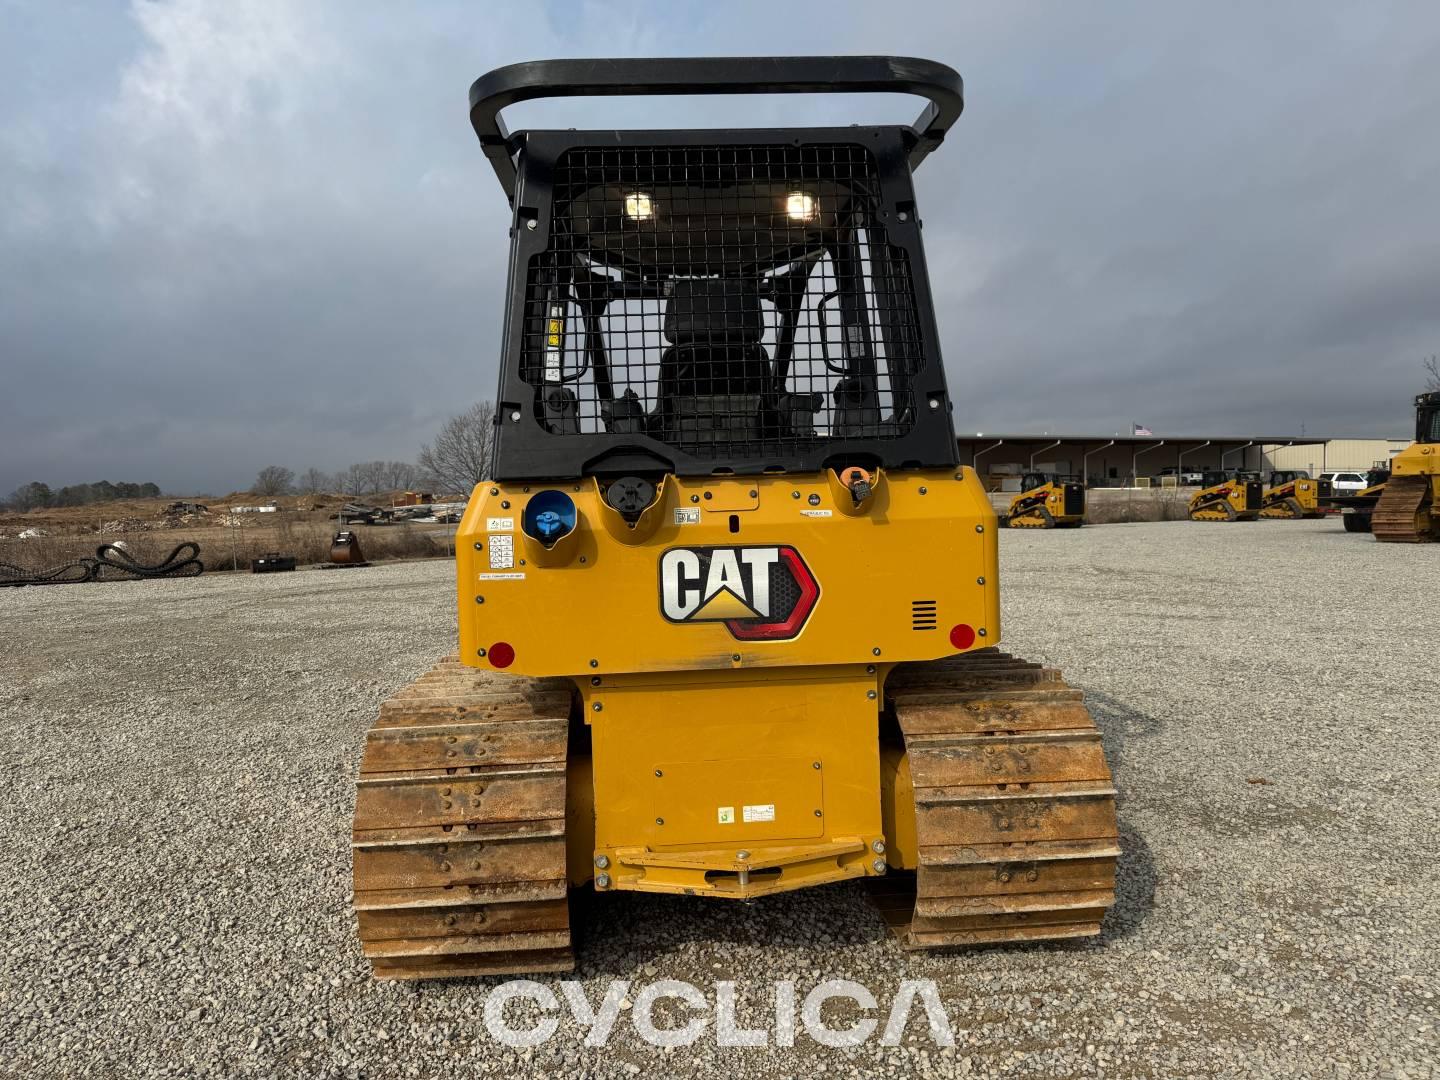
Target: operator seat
x=715, y=372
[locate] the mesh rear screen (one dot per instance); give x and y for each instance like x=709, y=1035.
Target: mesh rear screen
x=721, y=298
x=1427, y=424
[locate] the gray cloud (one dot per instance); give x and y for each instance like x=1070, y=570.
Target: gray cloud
x=236, y=234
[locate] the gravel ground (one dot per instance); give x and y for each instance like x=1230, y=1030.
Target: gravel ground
x=178, y=759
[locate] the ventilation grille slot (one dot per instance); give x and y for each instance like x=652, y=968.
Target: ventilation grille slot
x=923, y=615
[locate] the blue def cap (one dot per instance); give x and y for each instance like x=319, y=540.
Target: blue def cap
x=549, y=517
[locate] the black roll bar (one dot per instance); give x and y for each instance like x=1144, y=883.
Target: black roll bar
x=506, y=86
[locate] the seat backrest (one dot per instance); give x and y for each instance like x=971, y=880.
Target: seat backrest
x=715, y=326
x=712, y=311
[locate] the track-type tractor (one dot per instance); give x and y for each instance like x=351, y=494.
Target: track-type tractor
x=1293, y=494
x=1406, y=509
x=1047, y=502
x=1232, y=496
x=728, y=606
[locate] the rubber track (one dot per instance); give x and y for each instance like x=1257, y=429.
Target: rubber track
x=1031, y=520
x=109, y=562
x=1014, y=806
x=1291, y=509
x=1288, y=509
x=459, y=831
x=1394, y=518
x=1222, y=510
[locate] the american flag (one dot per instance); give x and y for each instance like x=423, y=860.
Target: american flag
x=1141, y=429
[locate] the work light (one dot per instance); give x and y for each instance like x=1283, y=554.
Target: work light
x=639, y=207
x=801, y=206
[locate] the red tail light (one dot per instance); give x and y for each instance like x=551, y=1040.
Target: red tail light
x=962, y=636
x=501, y=654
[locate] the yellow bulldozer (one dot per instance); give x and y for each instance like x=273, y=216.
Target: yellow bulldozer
x=1047, y=501
x=1294, y=494
x=1228, y=496
x=1405, y=511
x=728, y=606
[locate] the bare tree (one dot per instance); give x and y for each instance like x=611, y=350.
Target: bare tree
x=460, y=456
x=273, y=480
x=400, y=476
x=1432, y=374
x=313, y=481
x=352, y=481
x=364, y=478
x=30, y=496
x=372, y=476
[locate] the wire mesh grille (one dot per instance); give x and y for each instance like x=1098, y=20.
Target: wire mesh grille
x=1427, y=420
x=721, y=299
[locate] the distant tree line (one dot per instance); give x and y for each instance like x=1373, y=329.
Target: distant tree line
x=457, y=460
x=361, y=479
x=35, y=495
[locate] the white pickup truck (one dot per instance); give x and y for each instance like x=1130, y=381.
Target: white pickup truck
x=1189, y=476
x=1345, y=483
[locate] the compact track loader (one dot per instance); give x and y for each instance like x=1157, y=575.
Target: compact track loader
x=729, y=607
x=1405, y=511
x=1047, y=502
x=1293, y=494
x=1234, y=496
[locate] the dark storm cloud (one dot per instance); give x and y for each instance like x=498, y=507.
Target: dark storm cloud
x=236, y=234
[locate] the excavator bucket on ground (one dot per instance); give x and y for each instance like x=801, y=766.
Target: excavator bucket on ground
x=345, y=549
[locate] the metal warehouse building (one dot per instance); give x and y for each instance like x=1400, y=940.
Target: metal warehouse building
x=1353, y=455
x=1122, y=460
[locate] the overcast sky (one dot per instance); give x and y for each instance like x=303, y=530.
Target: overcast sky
x=241, y=232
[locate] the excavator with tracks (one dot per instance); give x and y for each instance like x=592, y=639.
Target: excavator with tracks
x=729, y=606
x=1405, y=512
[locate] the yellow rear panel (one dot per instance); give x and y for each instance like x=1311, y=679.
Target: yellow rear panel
x=731, y=649
x=593, y=604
